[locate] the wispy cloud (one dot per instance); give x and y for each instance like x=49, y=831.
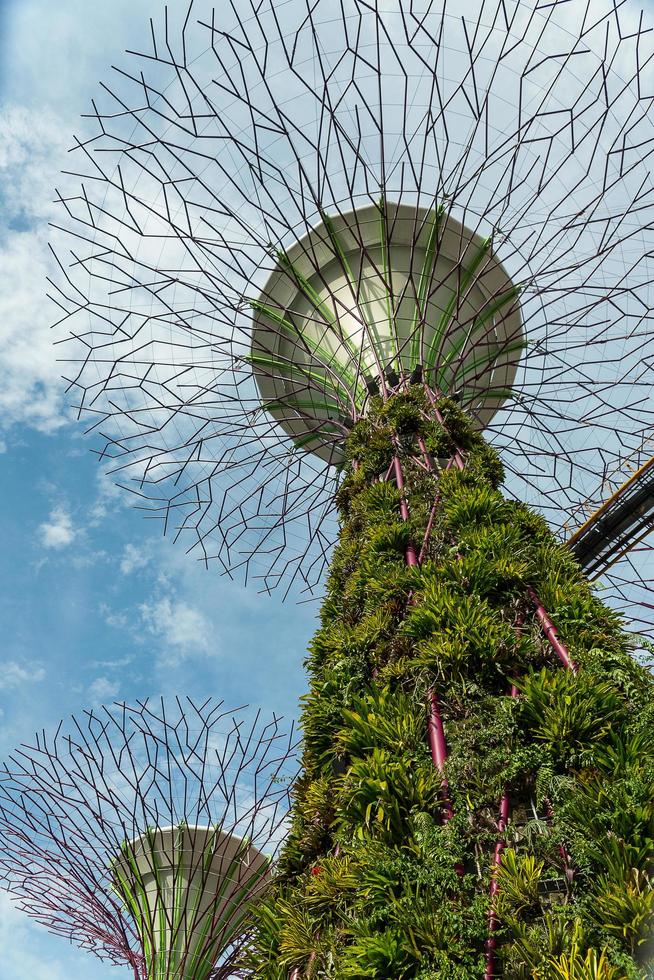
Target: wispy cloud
x=30, y=387
x=14, y=674
x=111, y=664
x=110, y=498
x=58, y=531
x=133, y=558
x=183, y=629
x=103, y=690
x=117, y=620
x=20, y=958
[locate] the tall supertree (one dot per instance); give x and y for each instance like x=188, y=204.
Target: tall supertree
x=145, y=833
x=315, y=251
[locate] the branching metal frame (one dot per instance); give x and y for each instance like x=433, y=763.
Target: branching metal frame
x=231, y=137
x=72, y=803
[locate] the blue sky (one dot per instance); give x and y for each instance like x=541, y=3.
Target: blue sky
x=94, y=604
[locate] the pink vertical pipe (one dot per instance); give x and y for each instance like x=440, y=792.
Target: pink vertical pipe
x=411, y=557
x=438, y=748
x=432, y=513
x=550, y=631
x=491, y=942
x=435, y=729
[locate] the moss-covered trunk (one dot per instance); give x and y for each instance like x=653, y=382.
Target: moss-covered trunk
x=430, y=629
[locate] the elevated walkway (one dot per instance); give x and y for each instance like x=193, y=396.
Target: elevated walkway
x=619, y=524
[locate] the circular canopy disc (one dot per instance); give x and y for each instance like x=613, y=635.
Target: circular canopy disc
x=375, y=292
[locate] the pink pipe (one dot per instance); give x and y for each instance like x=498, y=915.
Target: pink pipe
x=425, y=454
x=550, y=631
x=435, y=729
x=295, y=973
x=438, y=747
x=411, y=557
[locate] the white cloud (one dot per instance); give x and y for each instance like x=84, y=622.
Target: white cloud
x=103, y=690
x=183, y=629
x=13, y=674
x=57, y=532
x=88, y=559
x=31, y=150
x=117, y=620
x=133, y=559
x=18, y=937
x=112, y=664
x=110, y=497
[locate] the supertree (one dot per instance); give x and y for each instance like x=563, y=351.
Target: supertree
x=315, y=250
x=146, y=833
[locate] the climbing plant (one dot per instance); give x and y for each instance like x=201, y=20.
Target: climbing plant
x=469, y=805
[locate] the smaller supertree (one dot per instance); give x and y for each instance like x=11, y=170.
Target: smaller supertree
x=140, y=833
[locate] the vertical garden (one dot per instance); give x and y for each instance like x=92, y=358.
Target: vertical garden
x=471, y=804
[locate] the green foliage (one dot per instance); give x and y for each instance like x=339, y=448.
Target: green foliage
x=519, y=877
x=380, y=792
x=577, y=966
x=626, y=907
x=373, y=880
x=568, y=711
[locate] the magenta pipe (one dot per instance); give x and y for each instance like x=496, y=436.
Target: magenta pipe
x=550, y=631
x=438, y=748
x=425, y=454
x=437, y=742
x=410, y=554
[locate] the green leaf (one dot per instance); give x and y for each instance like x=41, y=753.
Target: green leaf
x=424, y=283
x=489, y=311
x=468, y=273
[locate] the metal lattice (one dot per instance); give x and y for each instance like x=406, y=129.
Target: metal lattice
x=229, y=141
